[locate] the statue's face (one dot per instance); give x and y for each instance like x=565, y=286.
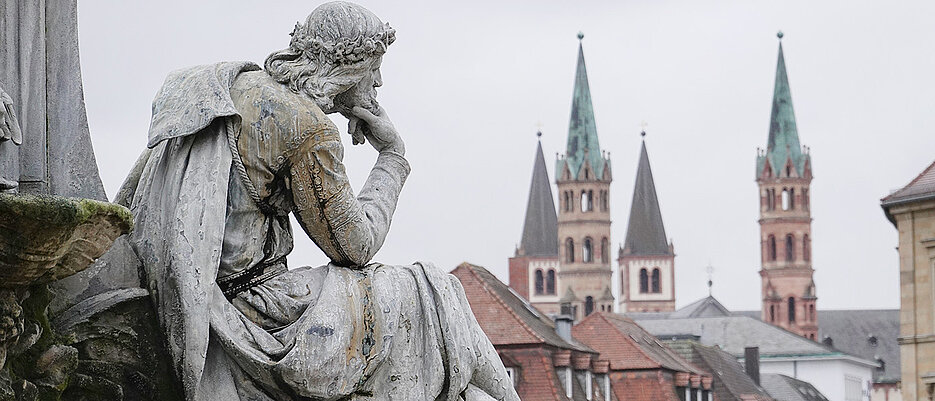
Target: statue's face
x=364, y=94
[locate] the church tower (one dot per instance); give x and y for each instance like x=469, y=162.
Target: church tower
x=534, y=267
x=783, y=174
x=583, y=177
x=647, y=259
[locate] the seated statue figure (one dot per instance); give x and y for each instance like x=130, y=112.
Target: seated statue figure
x=232, y=151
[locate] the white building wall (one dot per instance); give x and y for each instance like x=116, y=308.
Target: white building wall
x=827, y=375
x=665, y=279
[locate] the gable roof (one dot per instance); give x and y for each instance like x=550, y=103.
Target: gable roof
x=540, y=228
x=626, y=345
x=505, y=317
x=731, y=382
x=785, y=388
x=646, y=234
x=919, y=189
x=704, y=307
x=734, y=333
x=583, y=145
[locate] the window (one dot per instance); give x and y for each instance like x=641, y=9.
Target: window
x=791, y=198
x=644, y=281
x=511, y=373
x=790, y=248
x=569, y=250
x=587, y=251
x=811, y=312
x=604, y=197
x=605, y=250
x=772, y=313
x=565, y=201
x=785, y=199
x=587, y=203
x=550, y=282
x=853, y=391
x=588, y=305
x=539, y=281
x=806, y=249
x=771, y=199
x=655, y=281
x=805, y=202
x=791, y=310
x=771, y=248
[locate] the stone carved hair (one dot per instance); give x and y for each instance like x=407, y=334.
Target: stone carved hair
x=331, y=52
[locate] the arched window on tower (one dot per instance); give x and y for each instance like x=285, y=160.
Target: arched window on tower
x=605, y=250
x=791, y=198
x=806, y=249
x=785, y=199
x=586, y=204
x=772, y=313
x=790, y=248
x=644, y=281
x=565, y=201
x=587, y=251
x=811, y=312
x=569, y=250
x=772, y=198
x=771, y=248
x=791, y=310
x=805, y=201
x=588, y=305
x=655, y=281
x=550, y=282
x=539, y=281
x=604, y=202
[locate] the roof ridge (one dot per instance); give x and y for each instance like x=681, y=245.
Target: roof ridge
x=914, y=180
x=516, y=317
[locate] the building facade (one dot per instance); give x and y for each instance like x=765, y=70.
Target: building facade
x=784, y=174
x=647, y=259
x=912, y=210
x=583, y=177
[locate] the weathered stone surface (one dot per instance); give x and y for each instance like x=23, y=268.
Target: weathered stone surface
x=40, y=69
x=45, y=238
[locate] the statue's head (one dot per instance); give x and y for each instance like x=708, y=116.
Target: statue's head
x=339, y=45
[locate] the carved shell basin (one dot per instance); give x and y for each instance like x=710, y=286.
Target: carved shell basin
x=46, y=238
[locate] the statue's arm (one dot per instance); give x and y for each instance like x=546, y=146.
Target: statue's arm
x=349, y=229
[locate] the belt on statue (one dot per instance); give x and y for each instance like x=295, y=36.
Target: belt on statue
x=234, y=284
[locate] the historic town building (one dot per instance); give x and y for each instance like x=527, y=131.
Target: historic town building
x=583, y=175
x=912, y=210
x=647, y=259
x=784, y=173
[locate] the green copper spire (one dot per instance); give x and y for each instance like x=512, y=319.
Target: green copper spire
x=783, y=144
x=582, y=131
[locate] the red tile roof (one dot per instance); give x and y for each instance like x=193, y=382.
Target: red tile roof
x=537, y=379
x=643, y=388
x=627, y=346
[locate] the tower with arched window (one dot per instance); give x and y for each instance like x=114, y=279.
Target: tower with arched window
x=647, y=258
x=784, y=174
x=583, y=176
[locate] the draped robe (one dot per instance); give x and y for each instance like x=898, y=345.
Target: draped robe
x=232, y=154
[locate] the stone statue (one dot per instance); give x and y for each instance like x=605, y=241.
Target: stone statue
x=233, y=150
x=9, y=131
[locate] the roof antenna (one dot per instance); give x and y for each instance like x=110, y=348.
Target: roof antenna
x=710, y=270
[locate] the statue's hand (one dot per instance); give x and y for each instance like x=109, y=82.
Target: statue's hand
x=379, y=131
x=9, y=126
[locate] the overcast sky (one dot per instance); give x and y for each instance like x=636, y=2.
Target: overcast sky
x=468, y=83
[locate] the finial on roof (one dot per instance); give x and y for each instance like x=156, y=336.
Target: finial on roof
x=779, y=35
x=580, y=35
x=710, y=281
x=539, y=134
x=643, y=125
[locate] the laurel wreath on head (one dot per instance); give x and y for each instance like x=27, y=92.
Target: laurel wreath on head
x=343, y=51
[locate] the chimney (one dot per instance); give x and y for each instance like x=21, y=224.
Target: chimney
x=751, y=363
x=563, y=326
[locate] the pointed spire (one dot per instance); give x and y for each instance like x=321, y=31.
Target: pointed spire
x=582, y=130
x=783, y=143
x=645, y=232
x=540, y=230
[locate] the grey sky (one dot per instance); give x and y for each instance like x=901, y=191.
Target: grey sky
x=467, y=83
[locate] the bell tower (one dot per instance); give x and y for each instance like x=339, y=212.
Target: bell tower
x=583, y=176
x=784, y=174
